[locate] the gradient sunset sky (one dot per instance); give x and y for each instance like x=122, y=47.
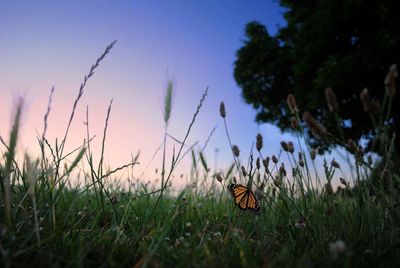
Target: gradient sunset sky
x=46, y=43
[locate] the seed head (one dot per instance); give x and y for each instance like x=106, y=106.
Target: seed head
x=313, y=154
x=343, y=181
x=352, y=146
x=266, y=162
x=235, y=150
x=244, y=171
x=301, y=161
x=331, y=100
x=274, y=159
x=259, y=142
x=278, y=180
x=234, y=180
x=218, y=177
x=290, y=147
x=291, y=102
x=316, y=128
x=285, y=146
x=390, y=80
x=294, y=123
x=258, y=165
x=282, y=170
x=365, y=100
x=222, y=111
x=335, y=164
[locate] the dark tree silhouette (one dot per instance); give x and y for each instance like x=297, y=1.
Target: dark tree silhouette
x=345, y=45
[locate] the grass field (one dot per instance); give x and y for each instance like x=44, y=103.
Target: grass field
x=303, y=221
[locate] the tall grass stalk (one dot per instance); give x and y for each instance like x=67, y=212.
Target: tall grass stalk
x=235, y=159
x=167, y=116
x=9, y=157
x=177, y=157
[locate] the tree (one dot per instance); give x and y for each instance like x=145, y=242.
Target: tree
x=345, y=45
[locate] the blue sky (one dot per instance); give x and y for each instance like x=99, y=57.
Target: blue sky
x=46, y=43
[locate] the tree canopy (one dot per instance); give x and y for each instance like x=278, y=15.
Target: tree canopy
x=345, y=45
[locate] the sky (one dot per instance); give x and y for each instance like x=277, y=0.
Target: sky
x=193, y=43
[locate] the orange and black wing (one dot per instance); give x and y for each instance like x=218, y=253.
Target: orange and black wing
x=244, y=198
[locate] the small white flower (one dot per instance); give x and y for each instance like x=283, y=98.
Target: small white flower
x=336, y=248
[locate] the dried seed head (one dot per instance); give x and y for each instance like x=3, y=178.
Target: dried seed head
x=291, y=102
x=274, y=159
x=234, y=180
x=335, y=164
x=301, y=161
x=343, y=181
x=390, y=80
x=244, y=171
x=259, y=142
x=290, y=147
x=219, y=177
x=266, y=162
x=313, y=154
x=278, y=180
x=328, y=188
x=258, y=165
x=222, y=111
x=294, y=123
x=331, y=100
x=294, y=172
x=235, y=150
x=365, y=100
x=352, y=146
x=285, y=146
x=282, y=170
x=318, y=130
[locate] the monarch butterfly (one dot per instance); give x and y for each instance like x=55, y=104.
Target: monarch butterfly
x=244, y=197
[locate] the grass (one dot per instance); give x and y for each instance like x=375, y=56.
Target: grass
x=47, y=221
